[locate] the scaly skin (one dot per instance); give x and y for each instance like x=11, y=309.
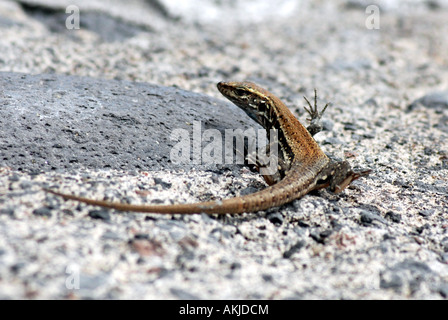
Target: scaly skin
x=305, y=166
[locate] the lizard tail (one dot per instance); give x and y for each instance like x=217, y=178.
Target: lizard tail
x=209, y=207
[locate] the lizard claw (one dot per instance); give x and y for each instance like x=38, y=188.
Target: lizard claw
x=313, y=111
x=315, y=123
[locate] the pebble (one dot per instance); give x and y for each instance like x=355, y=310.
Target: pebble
x=102, y=214
x=7, y=211
x=395, y=217
x=434, y=100
x=93, y=131
x=183, y=294
x=275, y=218
x=43, y=212
x=294, y=248
x=368, y=218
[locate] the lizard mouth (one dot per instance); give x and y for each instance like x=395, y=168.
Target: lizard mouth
x=349, y=179
x=223, y=87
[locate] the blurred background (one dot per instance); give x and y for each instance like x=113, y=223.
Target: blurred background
x=382, y=65
x=289, y=45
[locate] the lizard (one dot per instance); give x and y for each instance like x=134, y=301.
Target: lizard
x=303, y=166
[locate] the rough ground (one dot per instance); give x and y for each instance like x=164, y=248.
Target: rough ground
x=107, y=137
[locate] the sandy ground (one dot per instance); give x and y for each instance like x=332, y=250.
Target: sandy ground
x=385, y=237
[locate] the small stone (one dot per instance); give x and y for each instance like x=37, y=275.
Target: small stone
x=99, y=214
x=443, y=290
x=428, y=151
x=391, y=281
x=275, y=218
x=165, y=185
x=422, y=228
x=435, y=100
x=332, y=141
x=302, y=224
x=42, y=212
x=90, y=282
x=327, y=125
x=15, y=268
x=109, y=235
x=26, y=185
x=144, y=236
x=183, y=295
x=14, y=178
x=326, y=233
x=336, y=225
x=444, y=244
x=426, y=213
x=350, y=127
x=371, y=102
x=267, y=277
x=394, y=217
x=295, y=248
x=7, y=211
x=368, y=218
x=321, y=236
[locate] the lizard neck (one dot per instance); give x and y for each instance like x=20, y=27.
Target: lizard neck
x=296, y=143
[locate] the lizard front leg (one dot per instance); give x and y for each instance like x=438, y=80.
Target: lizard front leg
x=261, y=161
x=314, y=128
x=315, y=120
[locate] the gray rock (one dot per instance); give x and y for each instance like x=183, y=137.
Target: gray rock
x=102, y=214
x=67, y=122
x=368, y=218
x=368, y=75
x=407, y=277
x=275, y=218
x=294, y=248
x=183, y=294
x=43, y=212
x=434, y=100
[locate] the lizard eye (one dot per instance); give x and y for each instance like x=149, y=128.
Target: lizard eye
x=240, y=92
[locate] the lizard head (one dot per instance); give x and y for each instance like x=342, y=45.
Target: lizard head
x=244, y=94
x=338, y=176
x=255, y=101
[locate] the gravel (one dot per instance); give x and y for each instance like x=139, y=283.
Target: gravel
x=91, y=111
